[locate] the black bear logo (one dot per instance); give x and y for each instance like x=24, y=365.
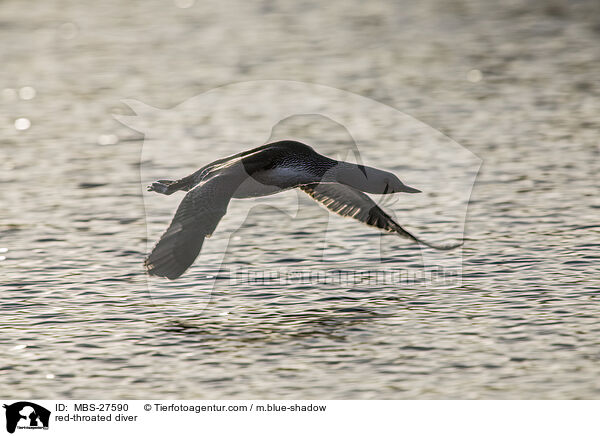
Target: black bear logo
x=26, y=414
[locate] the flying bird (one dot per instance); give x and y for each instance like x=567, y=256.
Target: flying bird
x=269, y=169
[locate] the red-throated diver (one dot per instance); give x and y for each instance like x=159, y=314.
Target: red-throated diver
x=271, y=168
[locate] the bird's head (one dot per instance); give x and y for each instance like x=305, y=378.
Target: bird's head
x=369, y=179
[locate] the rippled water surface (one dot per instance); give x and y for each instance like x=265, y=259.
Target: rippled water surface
x=517, y=86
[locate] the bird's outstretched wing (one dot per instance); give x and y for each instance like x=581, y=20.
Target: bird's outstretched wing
x=196, y=218
x=350, y=202
x=168, y=187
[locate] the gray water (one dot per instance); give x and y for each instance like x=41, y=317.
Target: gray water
x=77, y=319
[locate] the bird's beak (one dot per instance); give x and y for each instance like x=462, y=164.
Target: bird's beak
x=406, y=188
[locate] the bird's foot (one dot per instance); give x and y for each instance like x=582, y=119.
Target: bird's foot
x=162, y=187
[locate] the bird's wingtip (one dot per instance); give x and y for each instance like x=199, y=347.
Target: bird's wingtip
x=164, y=271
